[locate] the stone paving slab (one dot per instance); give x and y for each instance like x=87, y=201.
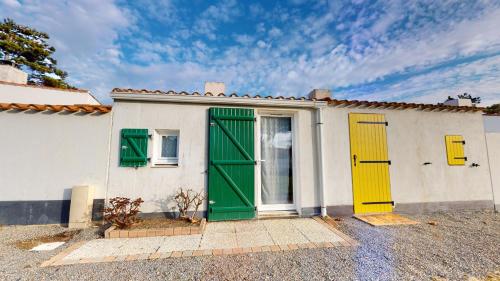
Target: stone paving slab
x=254, y=239
x=291, y=236
x=224, y=240
x=220, y=238
x=219, y=227
x=180, y=243
x=249, y=226
x=315, y=232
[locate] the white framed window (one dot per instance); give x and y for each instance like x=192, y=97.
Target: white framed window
x=166, y=147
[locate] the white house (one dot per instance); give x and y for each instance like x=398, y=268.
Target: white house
x=254, y=156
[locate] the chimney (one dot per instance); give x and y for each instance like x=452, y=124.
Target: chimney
x=320, y=94
x=215, y=88
x=10, y=73
x=458, y=102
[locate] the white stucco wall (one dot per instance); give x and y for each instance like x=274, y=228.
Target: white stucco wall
x=45, y=154
x=413, y=137
x=156, y=184
x=12, y=93
x=492, y=128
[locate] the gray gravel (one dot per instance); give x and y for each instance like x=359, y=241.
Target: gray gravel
x=462, y=244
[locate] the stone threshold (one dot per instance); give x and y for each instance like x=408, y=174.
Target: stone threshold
x=112, y=232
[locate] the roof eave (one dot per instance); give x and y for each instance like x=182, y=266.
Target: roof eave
x=218, y=100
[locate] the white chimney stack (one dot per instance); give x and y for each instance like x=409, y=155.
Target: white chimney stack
x=320, y=94
x=9, y=73
x=215, y=88
x=458, y=102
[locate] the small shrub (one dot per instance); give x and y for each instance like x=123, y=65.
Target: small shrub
x=122, y=212
x=186, y=200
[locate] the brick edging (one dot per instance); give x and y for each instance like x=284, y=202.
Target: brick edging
x=112, y=232
x=58, y=260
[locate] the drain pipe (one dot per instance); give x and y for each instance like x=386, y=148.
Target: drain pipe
x=320, y=158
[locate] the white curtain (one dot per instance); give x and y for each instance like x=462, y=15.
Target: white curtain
x=276, y=169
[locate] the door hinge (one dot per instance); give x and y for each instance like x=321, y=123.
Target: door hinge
x=371, y=122
x=376, y=161
x=383, y=202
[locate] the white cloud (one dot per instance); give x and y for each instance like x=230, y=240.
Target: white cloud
x=345, y=66
x=207, y=21
x=478, y=78
x=244, y=39
x=337, y=45
x=11, y=3
x=274, y=32
x=84, y=34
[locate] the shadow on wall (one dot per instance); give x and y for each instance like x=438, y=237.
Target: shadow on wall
x=168, y=203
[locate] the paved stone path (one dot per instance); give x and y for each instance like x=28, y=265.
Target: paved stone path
x=219, y=238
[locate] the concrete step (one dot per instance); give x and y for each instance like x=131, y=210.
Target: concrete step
x=263, y=215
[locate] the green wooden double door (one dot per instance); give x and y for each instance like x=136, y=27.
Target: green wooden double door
x=231, y=167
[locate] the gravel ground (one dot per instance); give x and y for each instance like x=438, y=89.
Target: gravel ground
x=462, y=244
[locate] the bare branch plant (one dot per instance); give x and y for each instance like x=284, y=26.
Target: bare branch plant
x=188, y=199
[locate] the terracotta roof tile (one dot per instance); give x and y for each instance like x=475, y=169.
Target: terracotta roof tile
x=402, y=105
x=85, y=108
x=331, y=102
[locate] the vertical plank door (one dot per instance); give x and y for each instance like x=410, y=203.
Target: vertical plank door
x=370, y=163
x=231, y=164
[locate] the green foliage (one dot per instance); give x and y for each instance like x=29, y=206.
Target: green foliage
x=28, y=47
x=474, y=100
x=493, y=109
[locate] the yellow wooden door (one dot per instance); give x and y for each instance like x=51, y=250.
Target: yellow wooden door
x=370, y=163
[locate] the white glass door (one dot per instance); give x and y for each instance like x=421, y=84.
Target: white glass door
x=276, y=163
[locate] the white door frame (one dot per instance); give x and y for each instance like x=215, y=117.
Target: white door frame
x=258, y=175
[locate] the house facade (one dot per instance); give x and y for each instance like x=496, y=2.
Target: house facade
x=314, y=155
x=253, y=156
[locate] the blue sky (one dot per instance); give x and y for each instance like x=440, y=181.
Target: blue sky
x=415, y=51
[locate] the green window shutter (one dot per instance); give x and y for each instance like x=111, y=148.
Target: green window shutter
x=134, y=147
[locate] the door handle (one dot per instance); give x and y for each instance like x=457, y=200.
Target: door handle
x=354, y=157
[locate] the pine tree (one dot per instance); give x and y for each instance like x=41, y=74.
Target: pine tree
x=25, y=46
